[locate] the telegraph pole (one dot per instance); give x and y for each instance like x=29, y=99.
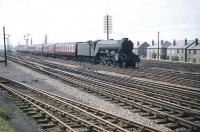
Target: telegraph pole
x=107, y=25
x=4, y=38
x=158, y=46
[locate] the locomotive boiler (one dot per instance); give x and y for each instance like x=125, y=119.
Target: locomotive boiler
x=108, y=52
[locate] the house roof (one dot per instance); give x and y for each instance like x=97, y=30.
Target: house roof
x=194, y=46
x=180, y=44
x=140, y=44
x=165, y=44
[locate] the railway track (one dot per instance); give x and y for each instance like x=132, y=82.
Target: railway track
x=166, y=72
x=157, y=74
x=173, y=116
x=176, y=66
x=51, y=110
x=188, y=79
x=188, y=97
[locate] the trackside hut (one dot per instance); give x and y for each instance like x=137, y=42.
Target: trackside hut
x=178, y=50
x=194, y=52
x=141, y=49
x=152, y=51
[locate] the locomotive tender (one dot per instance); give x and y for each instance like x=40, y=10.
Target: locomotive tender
x=108, y=52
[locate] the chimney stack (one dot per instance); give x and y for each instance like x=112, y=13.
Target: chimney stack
x=161, y=42
x=138, y=43
x=185, y=41
x=196, y=41
x=174, y=42
x=152, y=42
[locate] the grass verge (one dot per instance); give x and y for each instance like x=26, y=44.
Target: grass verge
x=4, y=122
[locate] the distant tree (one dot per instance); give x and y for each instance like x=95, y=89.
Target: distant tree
x=154, y=55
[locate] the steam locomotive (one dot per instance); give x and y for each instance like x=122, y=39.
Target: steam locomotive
x=107, y=52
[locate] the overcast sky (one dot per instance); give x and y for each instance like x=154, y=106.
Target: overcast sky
x=81, y=20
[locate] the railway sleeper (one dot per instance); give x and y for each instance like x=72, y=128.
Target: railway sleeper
x=66, y=120
x=31, y=113
x=5, y=82
x=29, y=109
x=159, y=108
x=37, y=117
x=98, y=113
x=83, y=129
x=172, y=125
x=127, y=126
x=146, y=114
x=114, y=121
x=49, y=125
x=75, y=126
x=171, y=112
x=22, y=106
x=177, y=114
x=183, y=129
x=197, y=122
x=190, y=118
x=108, y=99
x=154, y=117
x=121, y=104
x=42, y=121
x=128, y=107
x=161, y=121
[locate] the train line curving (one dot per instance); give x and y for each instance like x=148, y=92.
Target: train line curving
x=184, y=115
x=51, y=110
x=156, y=73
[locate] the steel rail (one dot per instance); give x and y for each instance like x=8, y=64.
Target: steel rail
x=127, y=123
x=145, y=108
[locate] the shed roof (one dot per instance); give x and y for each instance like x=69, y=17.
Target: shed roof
x=194, y=46
x=165, y=44
x=140, y=44
x=180, y=44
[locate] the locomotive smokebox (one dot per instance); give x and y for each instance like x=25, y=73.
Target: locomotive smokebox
x=126, y=45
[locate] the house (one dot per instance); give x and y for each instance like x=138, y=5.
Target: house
x=178, y=50
x=152, y=51
x=193, y=55
x=141, y=49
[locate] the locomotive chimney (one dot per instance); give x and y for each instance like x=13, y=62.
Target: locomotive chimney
x=196, y=41
x=185, y=41
x=152, y=42
x=174, y=42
